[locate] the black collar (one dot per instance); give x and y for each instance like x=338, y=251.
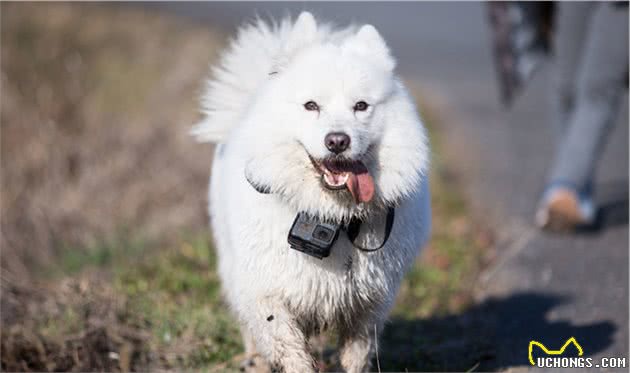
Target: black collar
x=353, y=228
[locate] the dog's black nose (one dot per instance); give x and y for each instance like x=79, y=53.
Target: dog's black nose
x=337, y=142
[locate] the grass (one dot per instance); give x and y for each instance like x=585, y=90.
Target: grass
x=102, y=254
x=178, y=294
x=148, y=298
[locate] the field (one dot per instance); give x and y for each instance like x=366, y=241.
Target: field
x=107, y=263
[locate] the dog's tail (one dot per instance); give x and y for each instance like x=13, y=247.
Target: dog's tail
x=243, y=67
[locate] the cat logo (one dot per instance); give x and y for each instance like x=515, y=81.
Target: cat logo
x=553, y=352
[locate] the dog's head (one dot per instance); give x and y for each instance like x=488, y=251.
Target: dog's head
x=336, y=132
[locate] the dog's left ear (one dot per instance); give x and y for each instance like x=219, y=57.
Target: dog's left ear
x=370, y=43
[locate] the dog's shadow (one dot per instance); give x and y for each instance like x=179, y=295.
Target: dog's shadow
x=492, y=335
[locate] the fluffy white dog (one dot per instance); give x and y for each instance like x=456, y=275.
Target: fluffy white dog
x=312, y=120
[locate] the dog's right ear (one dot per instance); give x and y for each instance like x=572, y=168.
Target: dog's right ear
x=303, y=33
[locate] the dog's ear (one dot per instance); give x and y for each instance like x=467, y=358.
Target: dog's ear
x=303, y=33
x=370, y=43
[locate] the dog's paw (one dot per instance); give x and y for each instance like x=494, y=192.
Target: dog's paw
x=254, y=364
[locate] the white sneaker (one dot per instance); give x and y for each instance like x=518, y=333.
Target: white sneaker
x=562, y=209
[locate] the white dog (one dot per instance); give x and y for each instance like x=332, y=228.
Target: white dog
x=313, y=120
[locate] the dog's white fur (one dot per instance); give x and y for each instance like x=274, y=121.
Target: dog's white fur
x=254, y=112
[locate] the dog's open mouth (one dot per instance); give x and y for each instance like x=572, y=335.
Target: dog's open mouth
x=346, y=174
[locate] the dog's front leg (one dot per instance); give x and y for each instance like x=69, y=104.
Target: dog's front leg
x=279, y=338
x=254, y=362
x=358, y=345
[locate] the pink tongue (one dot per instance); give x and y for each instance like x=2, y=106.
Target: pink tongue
x=361, y=185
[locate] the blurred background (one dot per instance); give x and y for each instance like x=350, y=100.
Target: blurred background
x=107, y=262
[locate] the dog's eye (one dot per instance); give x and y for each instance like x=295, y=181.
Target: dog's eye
x=361, y=106
x=311, y=106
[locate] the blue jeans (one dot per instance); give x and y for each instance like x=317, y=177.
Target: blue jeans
x=590, y=76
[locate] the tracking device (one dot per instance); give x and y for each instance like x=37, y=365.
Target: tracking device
x=312, y=236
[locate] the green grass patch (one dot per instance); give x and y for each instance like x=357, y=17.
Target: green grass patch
x=177, y=292
x=102, y=254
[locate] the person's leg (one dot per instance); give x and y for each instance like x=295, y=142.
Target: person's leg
x=570, y=27
x=600, y=84
x=601, y=79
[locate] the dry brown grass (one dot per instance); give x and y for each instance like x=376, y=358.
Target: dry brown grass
x=80, y=324
x=96, y=104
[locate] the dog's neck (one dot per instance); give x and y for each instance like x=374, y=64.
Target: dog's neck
x=352, y=227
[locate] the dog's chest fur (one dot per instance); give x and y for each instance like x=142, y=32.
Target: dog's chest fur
x=343, y=285
x=332, y=291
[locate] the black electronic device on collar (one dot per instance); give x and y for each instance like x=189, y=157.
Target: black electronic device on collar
x=312, y=236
